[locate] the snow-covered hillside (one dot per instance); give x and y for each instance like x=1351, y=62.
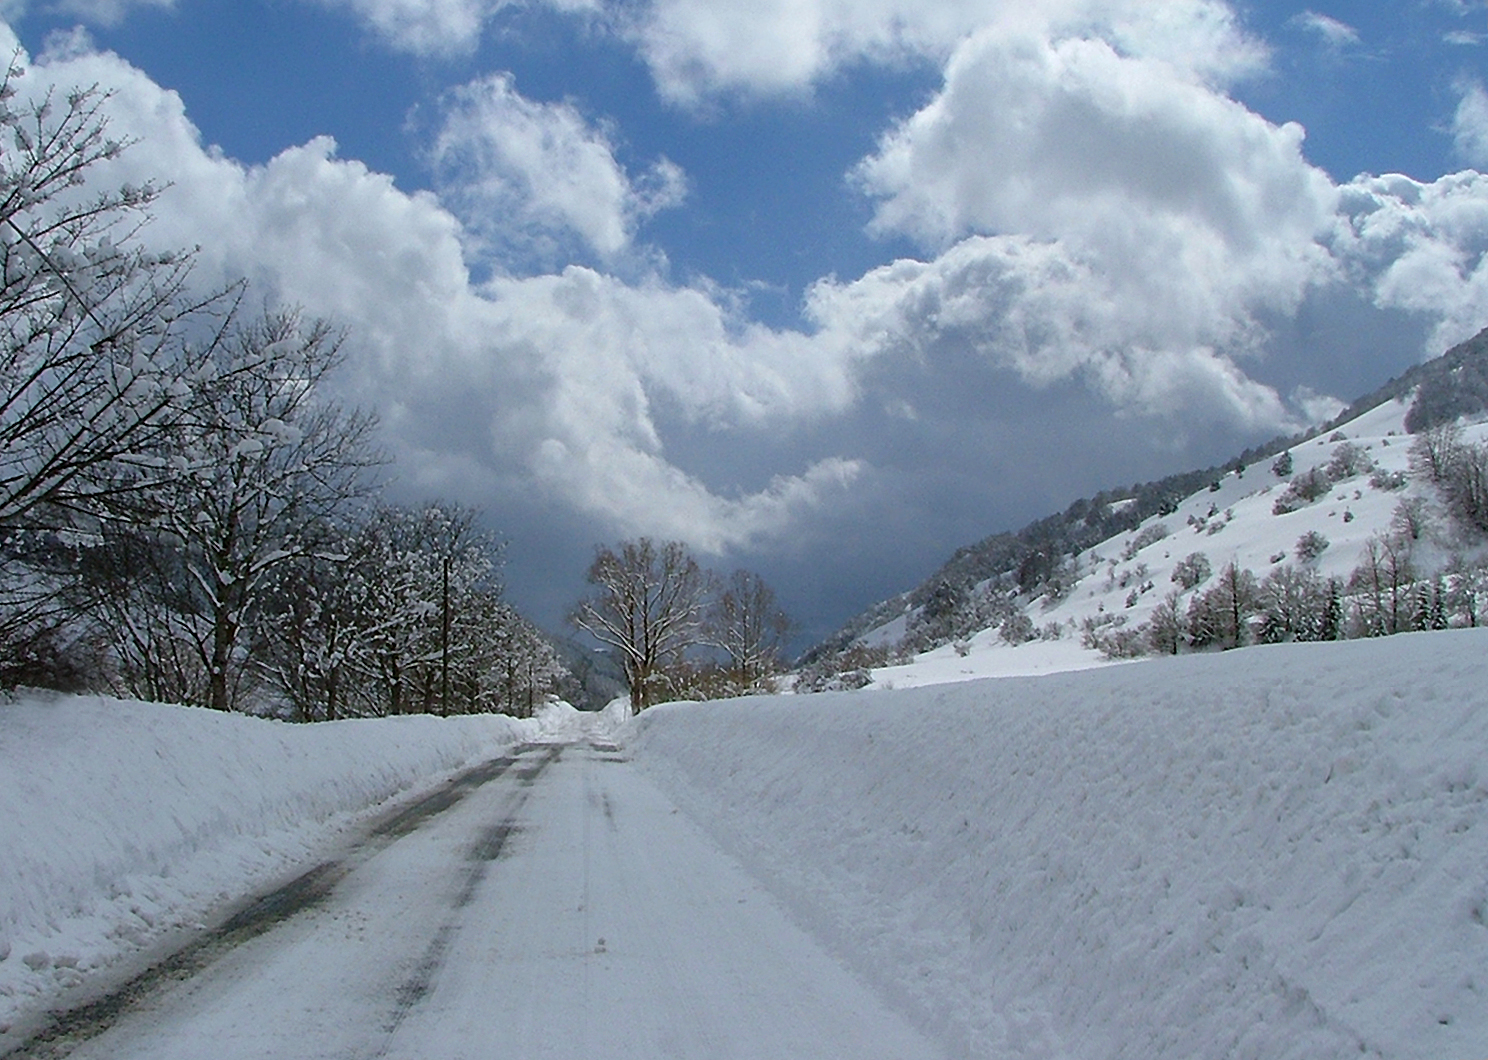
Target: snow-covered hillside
x=124, y=821
x=1367, y=478
x=1271, y=853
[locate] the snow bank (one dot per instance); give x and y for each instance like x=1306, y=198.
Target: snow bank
x=124, y=820
x=1278, y=852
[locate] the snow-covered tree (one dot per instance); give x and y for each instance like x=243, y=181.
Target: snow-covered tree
x=647, y=605
x=97, y=339
x=521, y=666
x=1466, y=585
x=136, y=586
x=404, y=613
x=262, y=468
x=322, y=616
x=1292, y=604
x=94, y=346
x=1430, y=605
x=435, y=567
x=1222, y=614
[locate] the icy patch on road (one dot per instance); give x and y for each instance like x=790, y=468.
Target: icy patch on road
x=1278, y=852
x=125, y=821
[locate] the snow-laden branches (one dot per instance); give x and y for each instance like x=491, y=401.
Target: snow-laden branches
x=406, y=615
x=262, y=466
x=94, y=329
x=647, y=605
x=653, y=604
x=176, y=485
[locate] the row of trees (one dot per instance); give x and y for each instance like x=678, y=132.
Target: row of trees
x=1420, y=574
x=1383, y=595
x=185, y=513
x=678, y=630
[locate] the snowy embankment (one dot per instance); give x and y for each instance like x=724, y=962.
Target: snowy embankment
x=124, y=821
x=1277, y=852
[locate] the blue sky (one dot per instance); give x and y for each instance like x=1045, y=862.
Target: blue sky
x=827, y=288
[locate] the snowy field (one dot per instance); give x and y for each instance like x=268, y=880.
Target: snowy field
x=1277, y=852
x=125, y=822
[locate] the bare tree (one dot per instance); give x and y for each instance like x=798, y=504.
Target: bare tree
x=264, y=467
x=1436, y=449
x=94, y=352
x=1383, y=583
x=647, y=605
x=1165, y=629
x=748, y=624
x=1222, y=614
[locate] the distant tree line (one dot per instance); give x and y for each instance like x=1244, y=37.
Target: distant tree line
x=185, y=513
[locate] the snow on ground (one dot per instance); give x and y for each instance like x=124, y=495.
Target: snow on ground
x=125, y=821
x=1276, y=852
x=988, y=655
x=1236, y=523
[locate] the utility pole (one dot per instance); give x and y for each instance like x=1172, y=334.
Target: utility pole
x=444, y=633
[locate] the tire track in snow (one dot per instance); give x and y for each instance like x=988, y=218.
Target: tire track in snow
x=491, y=846
x=64, y=1030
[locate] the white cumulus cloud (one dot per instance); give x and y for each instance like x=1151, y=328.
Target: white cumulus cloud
x=699, y=48
x=1096, y=216
x=526, y=172
x=1335, y=34
x=1102, y=214
x=1470, y=124
x=546, y=383
x=1421, y=247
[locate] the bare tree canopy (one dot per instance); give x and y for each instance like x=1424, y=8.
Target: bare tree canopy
x=748, y=625
x=648, y=605
x=94, y=350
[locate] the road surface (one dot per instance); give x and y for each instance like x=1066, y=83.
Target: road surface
x=551, y=904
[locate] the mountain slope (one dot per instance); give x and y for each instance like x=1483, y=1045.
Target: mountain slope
x=1084, y=581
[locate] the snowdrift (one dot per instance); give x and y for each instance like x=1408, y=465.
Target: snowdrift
x=1277, y=852
x=124, y=821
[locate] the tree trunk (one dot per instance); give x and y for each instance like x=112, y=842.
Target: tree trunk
x=224, y=633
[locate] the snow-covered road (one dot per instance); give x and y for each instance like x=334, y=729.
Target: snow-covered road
x=560, y=908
